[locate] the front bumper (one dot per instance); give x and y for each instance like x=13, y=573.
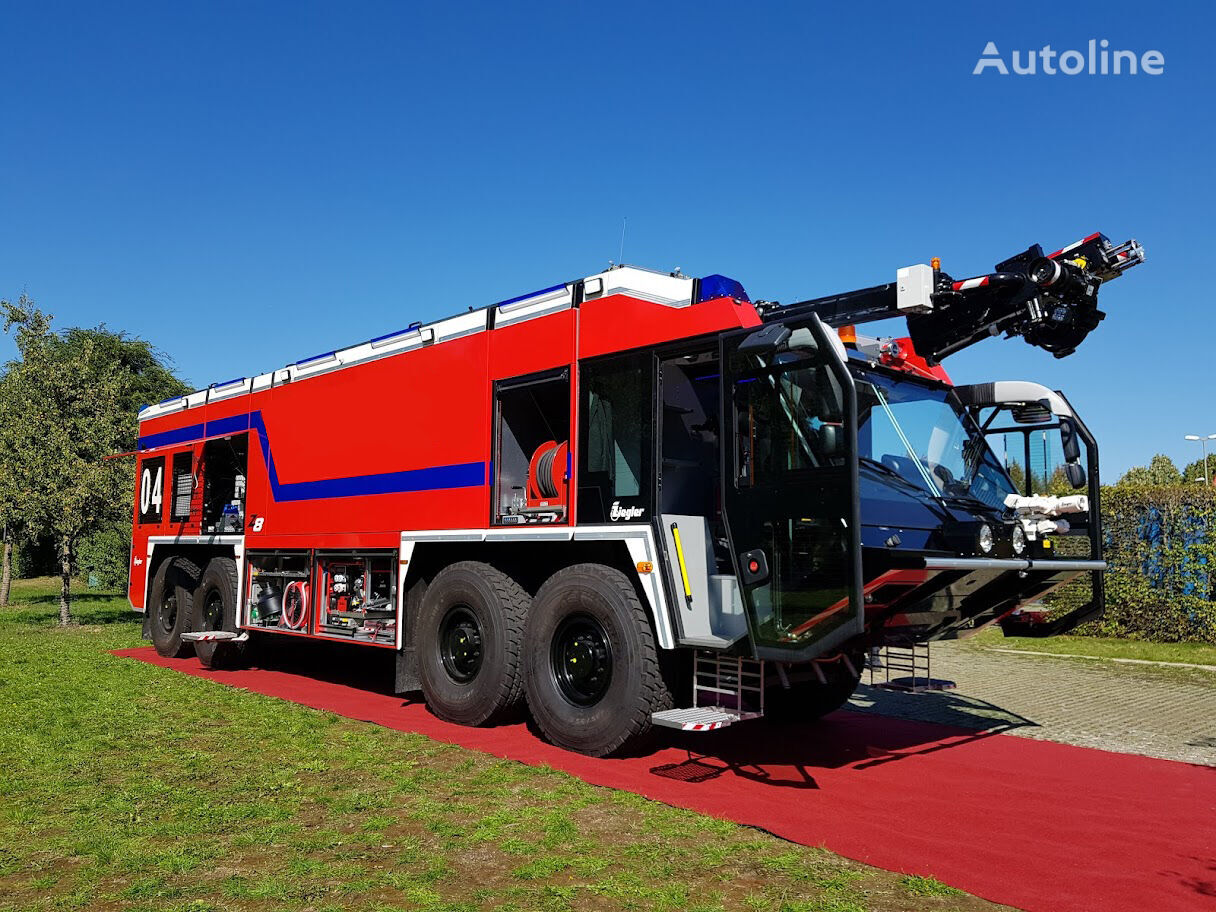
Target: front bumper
x=953, y=597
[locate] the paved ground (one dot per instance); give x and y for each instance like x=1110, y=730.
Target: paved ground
x=1131, y=709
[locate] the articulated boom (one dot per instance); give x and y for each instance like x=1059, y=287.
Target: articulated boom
x=1050, y=301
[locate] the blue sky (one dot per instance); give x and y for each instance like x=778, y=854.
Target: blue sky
x=246, y=184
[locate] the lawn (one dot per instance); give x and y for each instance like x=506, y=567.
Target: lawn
x=1104, y=647
x=127, y=786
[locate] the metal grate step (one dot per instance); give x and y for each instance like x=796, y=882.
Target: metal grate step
x=228, y=636
x=700, y=718
x=905, y=668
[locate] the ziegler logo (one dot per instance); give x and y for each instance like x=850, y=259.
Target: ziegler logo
x=619, y=512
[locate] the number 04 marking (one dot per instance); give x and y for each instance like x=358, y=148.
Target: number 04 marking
x=150, y=490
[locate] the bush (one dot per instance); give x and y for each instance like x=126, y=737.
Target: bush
x=1160, y=544
x=104, y=555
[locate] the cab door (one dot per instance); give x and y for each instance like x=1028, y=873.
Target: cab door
x=790, y=487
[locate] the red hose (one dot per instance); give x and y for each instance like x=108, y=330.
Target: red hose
x=295, y=605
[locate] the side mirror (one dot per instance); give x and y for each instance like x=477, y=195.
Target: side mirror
x=1068, y=441
x=1075, y=473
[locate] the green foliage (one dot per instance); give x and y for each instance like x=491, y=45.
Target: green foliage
x=1195, y=472
x=1056, y=483
x=1160, y=546
x=69, y=401
x=1161, y=471
x=103, y=554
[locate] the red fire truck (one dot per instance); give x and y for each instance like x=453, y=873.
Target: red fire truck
x=636, y=498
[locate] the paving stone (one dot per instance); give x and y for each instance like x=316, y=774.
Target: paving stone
x=1131, y=709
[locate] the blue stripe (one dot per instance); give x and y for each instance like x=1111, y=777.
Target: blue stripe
x=233, y=425
x=169, y=438
x=433, y=478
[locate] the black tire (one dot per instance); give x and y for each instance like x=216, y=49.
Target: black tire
x=214, y=608
x=591, y=613
x=468, y=637
x=169, y=606
x=811, y=700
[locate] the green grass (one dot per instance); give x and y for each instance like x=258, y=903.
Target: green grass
x=130, y=787
x=1105, y=648
x=927, y=886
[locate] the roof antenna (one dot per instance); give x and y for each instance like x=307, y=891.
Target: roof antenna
x=621, y=258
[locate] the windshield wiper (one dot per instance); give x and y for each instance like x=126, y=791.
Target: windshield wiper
x=873, y=463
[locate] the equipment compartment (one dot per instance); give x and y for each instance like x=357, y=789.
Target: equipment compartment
x=357, y=597
x=278, y=591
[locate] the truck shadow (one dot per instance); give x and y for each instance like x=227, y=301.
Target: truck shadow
x=878, y=727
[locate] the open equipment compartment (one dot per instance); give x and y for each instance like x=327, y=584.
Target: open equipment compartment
x=225, y=465
x=532, y=458
x=277, y=592
x=356, y=596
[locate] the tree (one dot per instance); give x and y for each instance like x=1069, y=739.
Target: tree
x=1195, y=471
x=1161, y=471
x=66, y=404
x=1018, y=475
x=7, y=530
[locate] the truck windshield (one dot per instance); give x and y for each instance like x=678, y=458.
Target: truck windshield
x=922, y=436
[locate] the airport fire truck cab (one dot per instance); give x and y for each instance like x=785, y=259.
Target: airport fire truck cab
x=637, y=498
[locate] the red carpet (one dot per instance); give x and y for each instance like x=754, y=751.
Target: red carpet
x=1033, y=824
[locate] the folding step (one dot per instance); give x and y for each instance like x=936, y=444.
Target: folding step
x=227, y=636
x=700, y=718
x=725, y=690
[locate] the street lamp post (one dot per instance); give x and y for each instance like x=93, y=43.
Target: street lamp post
x=1203, y=442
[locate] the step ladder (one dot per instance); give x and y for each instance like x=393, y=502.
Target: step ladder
x=223, y=636
x=725, y=690
x=905, y=668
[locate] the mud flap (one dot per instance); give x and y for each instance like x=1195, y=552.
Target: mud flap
x=408, y=678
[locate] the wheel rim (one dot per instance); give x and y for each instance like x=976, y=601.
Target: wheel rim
x=460, y=644
x=167, y=615
x=581, y=660
x=213, y=610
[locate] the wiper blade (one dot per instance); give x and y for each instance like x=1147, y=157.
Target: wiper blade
x=873, y=463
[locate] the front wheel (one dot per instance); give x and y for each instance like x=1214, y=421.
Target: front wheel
x=593, y=677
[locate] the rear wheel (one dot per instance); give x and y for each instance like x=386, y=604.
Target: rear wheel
x=214, y=608
x=468, y=636
x=593, y=677
x=169, y=605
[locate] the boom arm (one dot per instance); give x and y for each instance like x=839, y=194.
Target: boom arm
x=1050, y=301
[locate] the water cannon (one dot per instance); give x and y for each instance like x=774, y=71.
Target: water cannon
x=1050, y=300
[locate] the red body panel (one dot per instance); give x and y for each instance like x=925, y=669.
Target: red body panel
x=416, y=419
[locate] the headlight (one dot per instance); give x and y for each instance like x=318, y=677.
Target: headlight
x=1019, y=539
x=985, y=539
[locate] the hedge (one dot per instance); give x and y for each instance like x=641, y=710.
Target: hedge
x=1160, y=544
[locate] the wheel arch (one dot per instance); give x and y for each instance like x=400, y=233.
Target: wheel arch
x=531, y=561
x=200, y=553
